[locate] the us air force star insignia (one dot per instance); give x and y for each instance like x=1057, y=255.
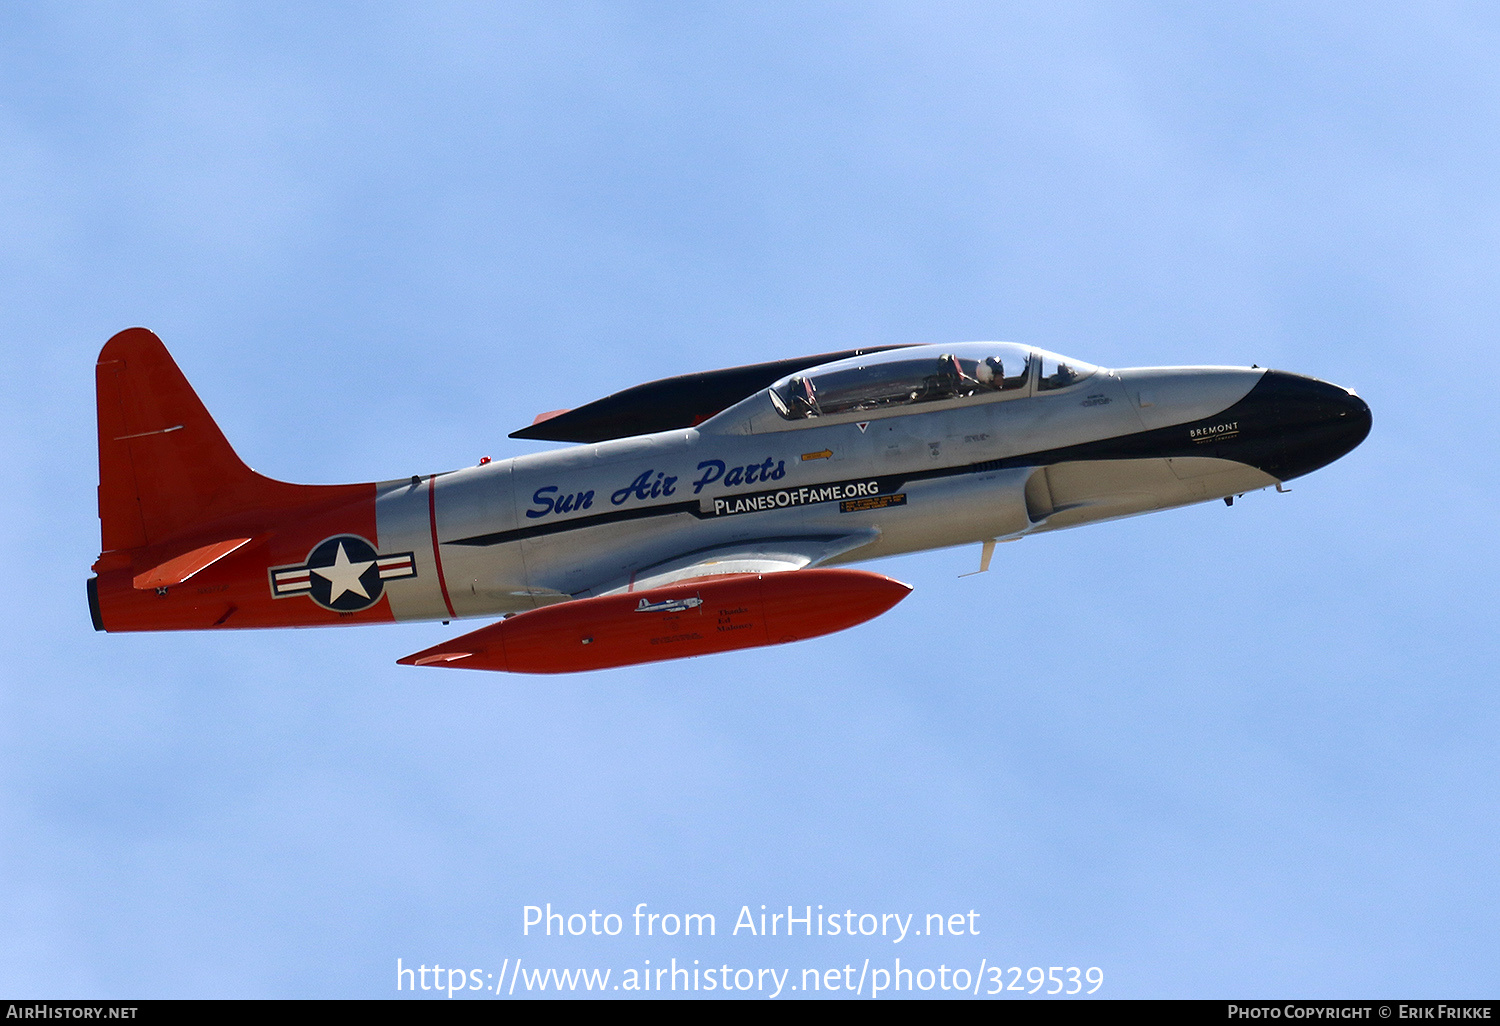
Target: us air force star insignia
x=343, y=573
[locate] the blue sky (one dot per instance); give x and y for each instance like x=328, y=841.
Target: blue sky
x=1248, y=751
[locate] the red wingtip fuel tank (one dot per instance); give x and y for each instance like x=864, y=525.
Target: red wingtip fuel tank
x=695, y=617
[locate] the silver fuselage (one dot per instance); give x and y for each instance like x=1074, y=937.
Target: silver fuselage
x=514, y=534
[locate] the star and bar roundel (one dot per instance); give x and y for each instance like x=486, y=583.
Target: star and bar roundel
x=343, y=573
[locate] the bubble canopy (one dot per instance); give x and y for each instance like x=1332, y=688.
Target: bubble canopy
x=923, y=374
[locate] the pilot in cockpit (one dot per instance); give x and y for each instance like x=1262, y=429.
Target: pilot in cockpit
x=991, y=373
x=805, y=396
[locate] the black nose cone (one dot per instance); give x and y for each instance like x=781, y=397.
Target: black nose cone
x=1313, y=422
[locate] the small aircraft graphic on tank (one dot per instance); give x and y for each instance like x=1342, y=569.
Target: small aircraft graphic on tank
x=696, y=514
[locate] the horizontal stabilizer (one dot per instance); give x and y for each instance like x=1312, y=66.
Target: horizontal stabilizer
x=179, y=570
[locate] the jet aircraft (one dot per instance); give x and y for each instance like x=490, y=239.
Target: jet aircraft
x=692, y=515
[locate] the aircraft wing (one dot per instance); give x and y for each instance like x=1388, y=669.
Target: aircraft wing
x=750, y=556
x=679, y=402
x=714, y=600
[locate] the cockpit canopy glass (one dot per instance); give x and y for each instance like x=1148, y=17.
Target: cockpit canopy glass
x=906, y=377
x=1060, y=371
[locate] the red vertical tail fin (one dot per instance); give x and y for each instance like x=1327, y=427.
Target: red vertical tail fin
x=174, y=497
x=165, y=468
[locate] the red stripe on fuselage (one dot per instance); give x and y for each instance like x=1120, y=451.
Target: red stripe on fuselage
x=437, y=557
